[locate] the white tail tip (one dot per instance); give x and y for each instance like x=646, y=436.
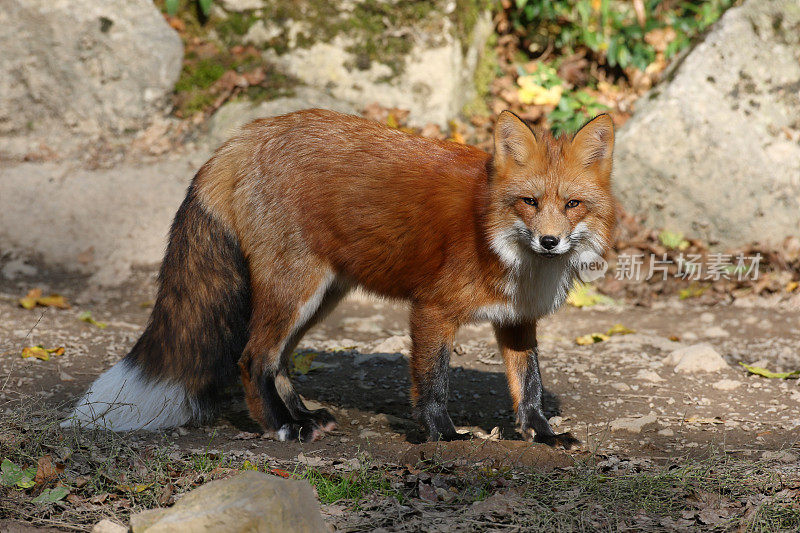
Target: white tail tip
x=124, y=399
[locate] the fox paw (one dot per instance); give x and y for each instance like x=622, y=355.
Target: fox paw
x=307, y=429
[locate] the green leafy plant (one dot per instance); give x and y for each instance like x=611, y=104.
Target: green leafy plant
x=612, y=29
x=172, y=6
x=574, y=109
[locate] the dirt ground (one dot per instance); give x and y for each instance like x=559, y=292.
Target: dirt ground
x=592, y=389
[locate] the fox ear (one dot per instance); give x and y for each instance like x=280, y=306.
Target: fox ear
x=513, y=140
x=594, y=142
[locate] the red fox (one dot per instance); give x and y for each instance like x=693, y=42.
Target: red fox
x=297, y=210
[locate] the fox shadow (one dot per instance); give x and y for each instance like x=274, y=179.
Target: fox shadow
x=359, y=385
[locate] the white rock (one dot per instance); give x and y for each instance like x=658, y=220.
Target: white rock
x=90, y=66
x=666, y=432
x=726, y=384
x=634, y=424
x=715, y=331
x=394, y=344
x=696, y=358
x=648, y=375
x=737, y=84
x=707, y=317
x=242, y=5
x=107, y=526
x=251, y=501
x=433, y=80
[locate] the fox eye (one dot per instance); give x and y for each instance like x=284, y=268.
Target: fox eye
x=531, y=201
x=573, y=203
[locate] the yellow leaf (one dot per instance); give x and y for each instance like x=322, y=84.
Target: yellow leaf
x=34, y=298
x=54, y=300
x=693, y=291
x=86, y=316
x=247, y=465
x=36, y=351
x=591, y=338
x=792, y=286
x=40, y=352
x=772, y=375
x=619, y=329
x=532, y=93
x=391, y=121
x=301, y=362
x=586, y=296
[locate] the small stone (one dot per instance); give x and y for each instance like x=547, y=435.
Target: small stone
x=783, y=456
x=715, y=331
x=666, y=432
x=394, y=344
x=444, y=494
x=369, y=434
x=107, y=526
x=556, y=421
x=726, y=384
x=427, y=492
x=622, y=387
x=634, y=424
x=242, y=5
x=648, y=375
x=696, y=358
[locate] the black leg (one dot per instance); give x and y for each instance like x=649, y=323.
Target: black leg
x=521, y=357
x=431, y=407
x=431, y=343
x=530, y=413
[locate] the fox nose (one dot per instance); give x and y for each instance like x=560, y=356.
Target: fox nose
x=549, y=241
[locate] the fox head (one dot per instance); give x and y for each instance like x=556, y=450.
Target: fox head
x=551, y=196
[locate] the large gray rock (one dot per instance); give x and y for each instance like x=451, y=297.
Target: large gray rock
x=100, y=222
x=92, y=66
x=249, y=502
x=420, y=56
x=715, y=150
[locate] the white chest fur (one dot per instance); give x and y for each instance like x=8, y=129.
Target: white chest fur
x=535, y=288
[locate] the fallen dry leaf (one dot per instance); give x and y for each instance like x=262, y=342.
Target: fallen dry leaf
x=619, y=329
x=40, y=352
x=34, y=298
x=86, y=316
x=591, y=338
x=771, y=375
x=47, y=470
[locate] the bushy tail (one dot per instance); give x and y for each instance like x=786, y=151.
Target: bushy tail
x=194, y=337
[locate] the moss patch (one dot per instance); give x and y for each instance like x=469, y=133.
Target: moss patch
x=485, y=72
